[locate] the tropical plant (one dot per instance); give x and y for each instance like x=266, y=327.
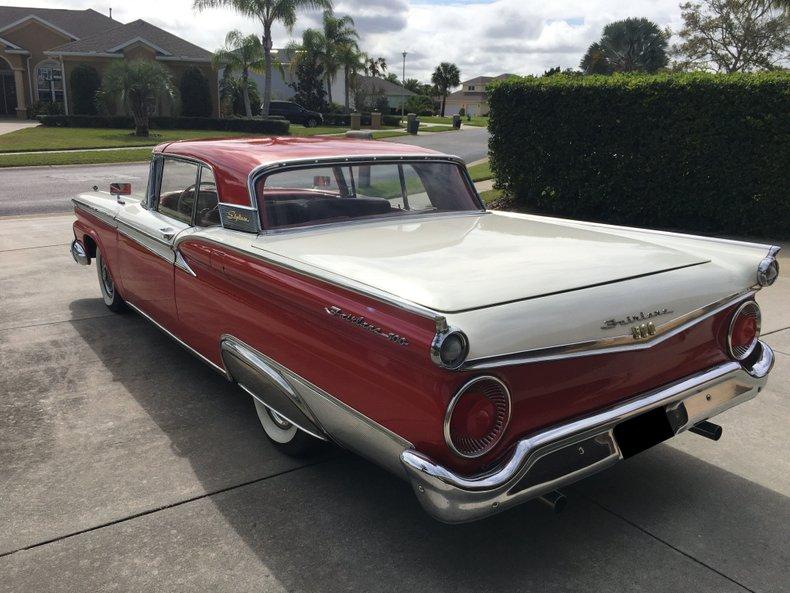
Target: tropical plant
x=413, y=85
x=267, y=12
x=338, y=32
x=445, y=77
x=352, y=61
x=375, y=67
x=631, y=45
x=733, y=35
x=232, y=94
x=139, y=84
x=85, y=82
x=420, y=104
x=309, y=85
x=392, y=77
x=242, y=54
x=195, y=93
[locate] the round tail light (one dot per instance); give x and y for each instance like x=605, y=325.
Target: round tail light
x=744, y=330
x=477, y=417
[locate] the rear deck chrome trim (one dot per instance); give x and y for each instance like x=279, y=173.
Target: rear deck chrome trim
x=454, y=498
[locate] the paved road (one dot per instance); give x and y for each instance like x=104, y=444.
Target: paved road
x=48, y=190
x=128, y=465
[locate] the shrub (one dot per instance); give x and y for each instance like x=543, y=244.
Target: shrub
x=344, y=119
x=701, y=152
x=420, y=104
x=195, y=93
x=270, y=125
x=85, y=82
x=44, y=108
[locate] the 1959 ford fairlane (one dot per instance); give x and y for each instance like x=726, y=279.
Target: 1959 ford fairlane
x=360, y=293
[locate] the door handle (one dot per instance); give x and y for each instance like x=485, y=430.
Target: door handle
x=168, y=233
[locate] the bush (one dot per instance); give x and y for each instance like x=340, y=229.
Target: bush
x=195, y=93
x=700, y=152
x=85, y=82
x=270, y=125
x=44, y=108
x=344, y=119
x=420, y=104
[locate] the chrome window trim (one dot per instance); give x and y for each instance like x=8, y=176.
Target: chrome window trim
x=395, y=158
x=608, y=345
x=448, y=416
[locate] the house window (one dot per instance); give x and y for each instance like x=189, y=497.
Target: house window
x=49, y=82
x=470, y=88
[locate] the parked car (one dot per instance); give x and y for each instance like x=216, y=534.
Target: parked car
x=296, y=114
x=361, y=293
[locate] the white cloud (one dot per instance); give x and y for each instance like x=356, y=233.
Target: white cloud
x=523, y=37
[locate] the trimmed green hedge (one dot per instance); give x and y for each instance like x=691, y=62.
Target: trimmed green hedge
x=700, y=152
x=344, y=119
x=271, y=125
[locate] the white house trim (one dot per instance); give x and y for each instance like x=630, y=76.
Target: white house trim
x=33, y=17
x=142, y=40
x=9, y=44
x=82, y=54
x=183, y=59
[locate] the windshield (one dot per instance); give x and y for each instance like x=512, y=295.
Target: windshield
x=337, y=193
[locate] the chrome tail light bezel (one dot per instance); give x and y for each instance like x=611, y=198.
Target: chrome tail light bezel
x=493, y=438
x=741, y=353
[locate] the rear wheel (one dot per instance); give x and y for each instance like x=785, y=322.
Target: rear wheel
x=284, y=435
x=110, y=295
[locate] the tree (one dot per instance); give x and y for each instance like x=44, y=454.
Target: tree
x=267, y=12
x=139, y=84
x=232, y=97
x=351, y=60
x=733, y=35
x=242, y=54
x=445, y=77
x=631, y=45
x=309, y=88
x=85, y=83
x=413, y=85
x=338, y=32
x=420, y=104
x=392, y=77
x=375, y=67
x=195, y=93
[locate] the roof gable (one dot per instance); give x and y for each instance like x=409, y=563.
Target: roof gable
x=112, y=43
x=73, y=24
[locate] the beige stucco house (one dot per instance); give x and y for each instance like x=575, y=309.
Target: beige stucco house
x=471, y=97
x=39, y=48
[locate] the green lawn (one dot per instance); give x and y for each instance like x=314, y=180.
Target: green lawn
x=480, y=172
x=76, y=157
x=475, y=121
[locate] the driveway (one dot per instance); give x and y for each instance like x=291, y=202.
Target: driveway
x=126, y=464
x=12, y=125
x=48, y=190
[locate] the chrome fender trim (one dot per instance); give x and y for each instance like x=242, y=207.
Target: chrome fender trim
x=309, y=407
x=568, y=452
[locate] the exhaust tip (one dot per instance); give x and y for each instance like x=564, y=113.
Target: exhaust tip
x=555, y=500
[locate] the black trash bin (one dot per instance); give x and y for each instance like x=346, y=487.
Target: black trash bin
x=412, y=123
x=457, y=122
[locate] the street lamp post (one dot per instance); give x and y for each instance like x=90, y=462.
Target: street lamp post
x=402, y=84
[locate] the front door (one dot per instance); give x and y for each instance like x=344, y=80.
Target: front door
x=145, y=241
x=7, y=94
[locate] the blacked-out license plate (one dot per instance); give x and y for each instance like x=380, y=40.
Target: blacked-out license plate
x=642, y=432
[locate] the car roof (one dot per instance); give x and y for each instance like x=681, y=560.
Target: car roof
x=234, y=159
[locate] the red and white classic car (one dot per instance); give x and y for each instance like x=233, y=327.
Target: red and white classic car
x=360, y=292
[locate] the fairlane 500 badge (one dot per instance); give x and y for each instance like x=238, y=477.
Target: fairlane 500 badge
x=364, y=324
x=637, y=318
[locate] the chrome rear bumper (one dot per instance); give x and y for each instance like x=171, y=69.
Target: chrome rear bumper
x=566, y=453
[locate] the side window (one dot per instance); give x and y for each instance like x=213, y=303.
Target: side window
x=207, y=207
x=177, y=189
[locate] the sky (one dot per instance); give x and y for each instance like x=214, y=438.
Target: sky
x=480, y=37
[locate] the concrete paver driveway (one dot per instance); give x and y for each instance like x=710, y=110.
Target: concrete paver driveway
x=128, y=465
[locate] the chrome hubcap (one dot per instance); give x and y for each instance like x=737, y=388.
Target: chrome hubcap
x=106, y=281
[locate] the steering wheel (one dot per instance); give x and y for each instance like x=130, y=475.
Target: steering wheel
x=182, y=196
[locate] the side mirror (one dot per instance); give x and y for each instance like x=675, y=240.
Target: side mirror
x=120, y=189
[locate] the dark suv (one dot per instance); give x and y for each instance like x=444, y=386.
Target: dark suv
x=296, y=114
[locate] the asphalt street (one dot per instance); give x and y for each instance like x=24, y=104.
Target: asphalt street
x=48, y=190
x=128, y=465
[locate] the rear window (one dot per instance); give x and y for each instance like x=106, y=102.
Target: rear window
x=339, y=193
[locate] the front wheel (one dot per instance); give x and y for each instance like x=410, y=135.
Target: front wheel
x=311, y=123
x=109, y=293
x=285, y=436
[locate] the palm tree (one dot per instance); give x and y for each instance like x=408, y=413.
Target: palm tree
x=337, y=33
x=267, y=12
x=632, y=45
x=375, y=67
x=351, y=60
x=445, y=77
x=139, y=84
x=243, y=54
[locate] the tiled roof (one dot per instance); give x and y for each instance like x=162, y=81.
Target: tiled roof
x=76, y=23
x=485, y=79
x=115, y=40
